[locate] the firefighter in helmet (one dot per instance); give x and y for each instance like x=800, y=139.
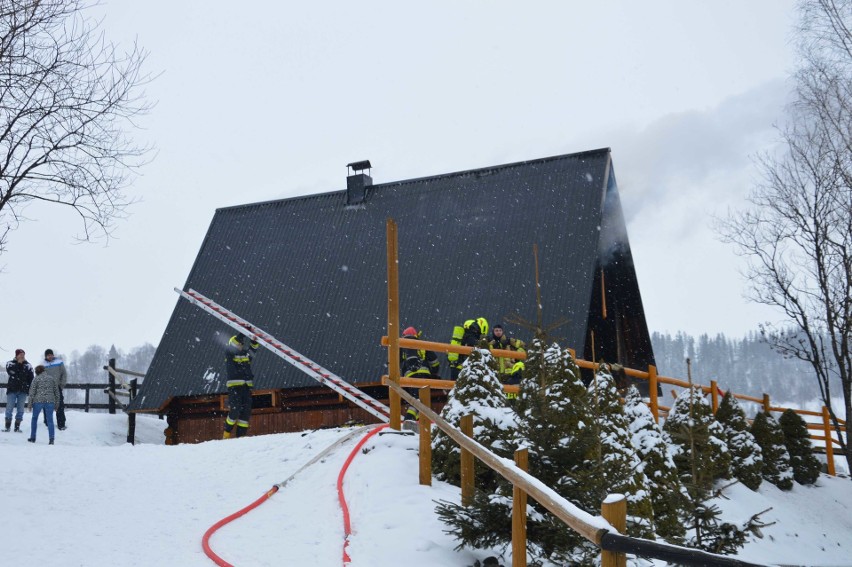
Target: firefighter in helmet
x=416, y=363
x=469, y=334
x=238, y=355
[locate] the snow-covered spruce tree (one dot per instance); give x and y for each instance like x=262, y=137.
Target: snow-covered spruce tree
x=699, y=440
x=556, y=426
x=776, y=459
x=478, y=391
x=746, y=455
x=487, y=521
x=619, y=465
x=651, y=444
x=797, y=440
x=701, y=456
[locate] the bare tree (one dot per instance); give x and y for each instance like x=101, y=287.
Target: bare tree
x=67, y=100
x=798, y=233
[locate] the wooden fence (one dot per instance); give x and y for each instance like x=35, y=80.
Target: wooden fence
x=119, y=387
x=87, y=404
x=827, y=436
x=603, y=531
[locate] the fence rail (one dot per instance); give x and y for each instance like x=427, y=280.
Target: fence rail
x=86, y=405
x=599, y=530
x=826, y=440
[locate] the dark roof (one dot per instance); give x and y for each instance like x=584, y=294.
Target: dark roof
x=312, y=272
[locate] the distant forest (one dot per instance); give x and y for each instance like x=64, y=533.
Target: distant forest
x=746, y=366
x=88, y=368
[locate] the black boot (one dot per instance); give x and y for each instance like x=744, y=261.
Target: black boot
x=31, y=440
x=51, y=442
x=18, y=426
x=8, y=425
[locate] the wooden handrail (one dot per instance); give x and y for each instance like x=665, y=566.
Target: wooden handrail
x=114, y=372
x=459, y=349
x=656, y=408
x=595, y=529
x=590, y=527
x=518, y=355
x=439, y=384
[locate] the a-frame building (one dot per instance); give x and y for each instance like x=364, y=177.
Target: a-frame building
x=312, y=272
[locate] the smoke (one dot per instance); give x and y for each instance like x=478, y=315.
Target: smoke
x=698, y=159
x=613, y=237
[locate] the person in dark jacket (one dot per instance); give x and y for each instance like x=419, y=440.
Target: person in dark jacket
x=18, y=386
x=509, y=369
x=416, y=363
x=469, y=334
x=44, y=396
x=238, y=357
x=56, y=368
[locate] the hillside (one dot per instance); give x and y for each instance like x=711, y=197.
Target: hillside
x=94, y=500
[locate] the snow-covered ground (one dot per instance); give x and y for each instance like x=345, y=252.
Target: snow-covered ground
x=93, y=500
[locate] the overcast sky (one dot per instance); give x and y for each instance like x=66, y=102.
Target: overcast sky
x=270, y=100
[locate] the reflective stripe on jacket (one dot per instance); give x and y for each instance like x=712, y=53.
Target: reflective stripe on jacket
x=466, y=335
x=238, y=363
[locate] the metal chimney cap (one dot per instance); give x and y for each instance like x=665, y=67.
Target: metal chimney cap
x=360, y=165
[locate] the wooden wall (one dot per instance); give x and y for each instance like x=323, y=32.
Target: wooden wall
x=202, y=418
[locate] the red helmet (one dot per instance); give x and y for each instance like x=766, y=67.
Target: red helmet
x=410, y=332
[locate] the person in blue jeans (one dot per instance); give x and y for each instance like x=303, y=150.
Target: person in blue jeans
x=44, y=395
x=56, y=368
x=18, y=385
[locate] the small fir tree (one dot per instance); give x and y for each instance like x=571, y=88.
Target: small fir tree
x=698, y=438
x=479, y=392
x=776, y=459
x=619, y=466
x=651, y=444
x=485, y=524
x=556, y=426
x=806, y=466
x=487, y=521
x=701, y=456
x=746, y=455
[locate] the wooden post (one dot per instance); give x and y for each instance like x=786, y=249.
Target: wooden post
x=614, y=511
x=652, y=392
x=131, y=417
x=467, y=471
x=111, y=377
x=829, y=447
x=519, y=514
x=425, y=427
x=714, y=395
x=766, y=404
x=554, y=503
x=87, y=400
x=393, y=323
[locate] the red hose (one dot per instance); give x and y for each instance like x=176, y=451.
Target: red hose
x=347, y=526
x=205, y=540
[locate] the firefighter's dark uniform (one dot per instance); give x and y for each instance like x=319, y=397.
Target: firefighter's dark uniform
x=240, y=383
x=468, y=334
x=417, y=363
